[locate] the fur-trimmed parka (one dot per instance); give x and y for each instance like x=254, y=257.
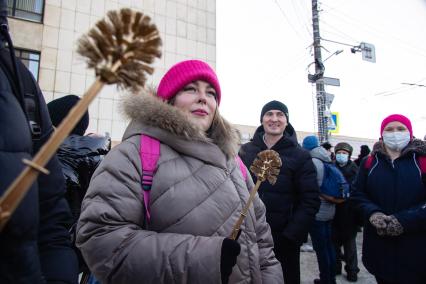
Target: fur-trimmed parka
x=394, y=188
x=197, y=194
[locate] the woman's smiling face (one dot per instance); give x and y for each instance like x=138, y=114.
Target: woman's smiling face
x=198, y=101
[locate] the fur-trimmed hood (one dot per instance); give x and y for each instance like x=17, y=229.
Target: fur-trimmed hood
x=151, y=115
x=415, y=146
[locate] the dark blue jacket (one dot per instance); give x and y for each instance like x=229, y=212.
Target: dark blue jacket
x=394, y=188
x=34, y=245
x=345, y=223
x=291, y=204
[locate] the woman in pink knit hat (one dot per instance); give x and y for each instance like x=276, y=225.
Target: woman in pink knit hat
x=390, y=193
x=197, y=193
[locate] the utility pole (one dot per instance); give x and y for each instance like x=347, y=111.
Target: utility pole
x=319, y=71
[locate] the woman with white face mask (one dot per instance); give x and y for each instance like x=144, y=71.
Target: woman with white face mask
x=391, y=196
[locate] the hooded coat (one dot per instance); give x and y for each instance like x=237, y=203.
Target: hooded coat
x=293, y=201
x=197, y=193
x=394, y=188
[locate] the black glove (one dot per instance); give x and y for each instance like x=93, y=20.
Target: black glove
x=228, y=258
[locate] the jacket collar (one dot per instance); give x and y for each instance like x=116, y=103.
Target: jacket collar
x=168, y=124
x=289, y=138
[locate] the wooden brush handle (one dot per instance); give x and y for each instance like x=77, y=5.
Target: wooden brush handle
x=20, y=186
x=243, y=213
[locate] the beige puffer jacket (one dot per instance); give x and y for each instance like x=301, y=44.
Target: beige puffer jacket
x=197, y=194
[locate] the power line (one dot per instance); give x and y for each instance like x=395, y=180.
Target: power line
x=401, y=89
x=338, y=42
x=372, y=30
x=301, y=17
x=394, y=91
x=288, y=21
x=338, y=32
x=281, y=76
x=413, y=84
x=333, y=8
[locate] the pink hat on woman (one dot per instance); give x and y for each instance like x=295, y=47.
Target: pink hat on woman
x=183, y=73
x=397, y=117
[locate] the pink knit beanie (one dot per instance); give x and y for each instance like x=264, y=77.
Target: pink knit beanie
x=397, y=117
x=183, y=73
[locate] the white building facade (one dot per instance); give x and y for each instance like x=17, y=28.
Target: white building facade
x=45, y=34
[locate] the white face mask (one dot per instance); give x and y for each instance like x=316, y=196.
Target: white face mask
x=396, y=140
x=341, y=158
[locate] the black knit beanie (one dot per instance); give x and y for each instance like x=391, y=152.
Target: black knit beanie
x=274, y=105
x=59, y=108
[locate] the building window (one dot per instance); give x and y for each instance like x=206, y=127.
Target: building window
x=26, y=9
x=31, y=60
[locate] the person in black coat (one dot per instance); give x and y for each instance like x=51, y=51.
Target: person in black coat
x=345, y=225
x=291, y=204
x=364, y=151
x=34, y=245
x=79, y=155
x=391, y=196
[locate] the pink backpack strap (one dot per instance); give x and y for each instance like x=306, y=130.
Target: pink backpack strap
x=243, y=168
x=149, y=155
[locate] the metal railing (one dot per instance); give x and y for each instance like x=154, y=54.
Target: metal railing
x=26, y=9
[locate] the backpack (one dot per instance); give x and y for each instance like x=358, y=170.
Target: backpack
x=24, y=88
x=149, y=152
x=334, y=183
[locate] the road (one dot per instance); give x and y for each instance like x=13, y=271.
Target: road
x=309, y=268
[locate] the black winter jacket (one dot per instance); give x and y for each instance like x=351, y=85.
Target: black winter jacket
x=394, y=188
x=345, y=223
x=291, y=204
x=34, y=245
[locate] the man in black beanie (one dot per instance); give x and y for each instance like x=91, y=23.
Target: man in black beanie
x=34, y=245
x=274, y=105
x=291, y=204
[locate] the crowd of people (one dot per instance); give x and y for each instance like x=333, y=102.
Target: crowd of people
x=387, y=199
x=173, y=223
